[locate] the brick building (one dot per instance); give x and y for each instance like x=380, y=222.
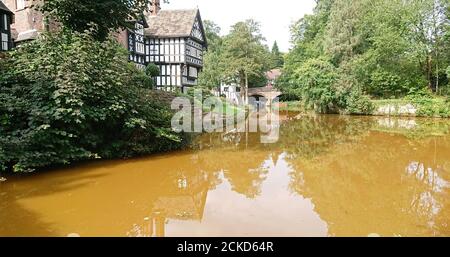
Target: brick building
x=28, y=22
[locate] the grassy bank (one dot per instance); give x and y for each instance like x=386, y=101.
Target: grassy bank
x=292, y=106
x=228, y=109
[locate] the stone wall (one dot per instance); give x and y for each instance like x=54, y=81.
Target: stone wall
x=396, y=110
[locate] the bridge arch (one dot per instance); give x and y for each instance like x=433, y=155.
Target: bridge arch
x=268, y=93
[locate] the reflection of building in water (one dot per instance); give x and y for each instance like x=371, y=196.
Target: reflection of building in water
x=184, y=199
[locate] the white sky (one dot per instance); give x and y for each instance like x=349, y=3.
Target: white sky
x=275, y=16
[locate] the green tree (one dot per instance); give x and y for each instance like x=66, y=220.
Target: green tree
x=344, y=36
x=316, y=84
x=212, y=31
x=386, y=48
x=213, y=62
x=67, y=97
x=245, y=54
x=102, y=15
x=277, y=56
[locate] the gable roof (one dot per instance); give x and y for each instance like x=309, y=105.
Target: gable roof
x=171, y=23
x=4, y=8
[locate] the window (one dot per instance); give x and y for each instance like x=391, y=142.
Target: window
x=20, y=4
x=5, y=21
x=4, y=41
x=192, y=72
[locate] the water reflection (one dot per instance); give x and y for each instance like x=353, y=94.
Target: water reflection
x=327, y=176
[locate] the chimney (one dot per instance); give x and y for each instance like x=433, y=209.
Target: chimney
x=155, y=7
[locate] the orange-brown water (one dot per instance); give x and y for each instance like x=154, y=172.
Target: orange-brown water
x=326, y=176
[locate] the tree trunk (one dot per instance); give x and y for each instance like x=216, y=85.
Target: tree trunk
x=242, y=85
x=430, y=72
x=246, y=88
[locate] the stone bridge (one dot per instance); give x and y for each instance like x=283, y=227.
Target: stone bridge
x=269, y=93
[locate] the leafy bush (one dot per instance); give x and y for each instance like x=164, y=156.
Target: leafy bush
x=357, y=103
x=316, y=80
x=433, y=108
x=420, y=96
x=386, y=84
x=427, y=104
x=67, y=97
x=321, y=87
x=152, y=70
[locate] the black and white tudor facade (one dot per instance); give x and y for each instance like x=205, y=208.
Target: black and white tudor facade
x=175, y=41
x=136, y=43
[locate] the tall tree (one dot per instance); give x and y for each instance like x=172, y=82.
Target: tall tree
x=213, y=71
x=277, y=56
x=343, y=34
x=245, y=54
x=212, y=31
x=385, y=47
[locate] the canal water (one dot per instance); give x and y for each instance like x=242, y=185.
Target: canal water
x=326, y=176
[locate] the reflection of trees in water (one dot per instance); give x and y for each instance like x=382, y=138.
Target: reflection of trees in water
x=309, y=137
x=371, y=185
x=244, y=171
x=360, y=180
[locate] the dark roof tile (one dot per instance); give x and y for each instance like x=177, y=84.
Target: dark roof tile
x=171, y=23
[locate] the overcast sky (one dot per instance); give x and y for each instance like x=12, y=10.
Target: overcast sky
x=274, y=16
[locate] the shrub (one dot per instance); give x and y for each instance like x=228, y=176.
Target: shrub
x=316, y=81
x=152, y=70
x=322, y=88
x=357, y=103
x=427, y=104
x=67, y=97
x=420, y=96
x=386, y=84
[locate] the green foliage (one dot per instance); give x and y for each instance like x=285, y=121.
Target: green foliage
x=247, y=58
x=212, y=31
x=213, y=61
x=428, y=105
x=66, y=97
x=239, y=57
x=277, y=56
x=102, y=15
x=386, y=47
x=152, y=70
x=322, y=88
x=385, y=84
x=355, y=102
x=316, y=85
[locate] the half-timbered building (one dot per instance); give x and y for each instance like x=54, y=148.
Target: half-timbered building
x=136, y=42
x=175, y=42
x=6, y=18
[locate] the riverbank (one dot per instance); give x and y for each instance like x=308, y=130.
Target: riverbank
x=436, y=107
